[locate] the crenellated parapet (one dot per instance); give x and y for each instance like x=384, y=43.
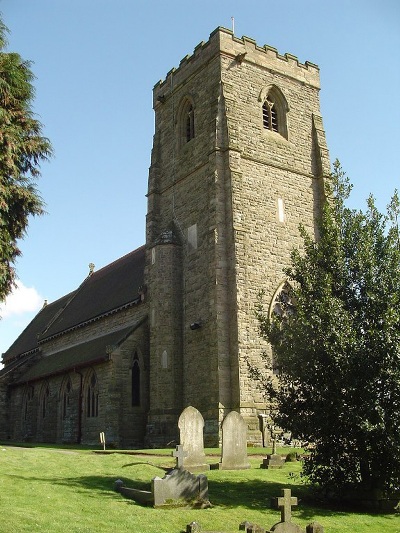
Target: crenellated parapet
x=223, y=42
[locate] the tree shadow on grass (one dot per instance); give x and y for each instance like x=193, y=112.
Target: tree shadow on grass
x=252, y=494
x=257, y=495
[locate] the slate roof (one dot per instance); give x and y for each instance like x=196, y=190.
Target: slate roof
x=107, y=290
x=28, y=341
x=89, y=352
x=103, y=292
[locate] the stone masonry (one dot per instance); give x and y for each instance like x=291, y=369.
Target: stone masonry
x=242, y=190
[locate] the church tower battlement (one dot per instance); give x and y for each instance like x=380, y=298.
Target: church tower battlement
x=238, y=162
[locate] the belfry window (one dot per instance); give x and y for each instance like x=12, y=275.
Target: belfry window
x=274, y=109
x=186, y=121
x=270, y=115
x=189, y=123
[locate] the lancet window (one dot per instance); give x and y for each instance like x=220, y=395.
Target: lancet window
x=92, y=396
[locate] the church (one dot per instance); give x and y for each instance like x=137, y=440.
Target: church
x=239, y=160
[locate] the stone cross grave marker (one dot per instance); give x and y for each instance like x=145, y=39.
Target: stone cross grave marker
x=285, y=503
x=179, y=454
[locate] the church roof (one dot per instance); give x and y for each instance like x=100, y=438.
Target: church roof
x=113, y=287
x=96, y=350
x=104, y=291
x=28, y=340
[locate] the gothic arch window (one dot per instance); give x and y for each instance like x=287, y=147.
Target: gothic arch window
x=283, y=303
x=27, y=401
x=186, y=121
x=135, y=381
x=44, y=399
x=66, y=392
x=92, y=395
x=274, y=110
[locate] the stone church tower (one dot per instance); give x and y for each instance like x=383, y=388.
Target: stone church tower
x=238, y=162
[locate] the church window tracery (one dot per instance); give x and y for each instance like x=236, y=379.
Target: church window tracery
x=283, y=303
x=283, y=306
x=92, y=396
x=274, y=110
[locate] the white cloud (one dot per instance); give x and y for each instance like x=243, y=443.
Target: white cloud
x=21, y=300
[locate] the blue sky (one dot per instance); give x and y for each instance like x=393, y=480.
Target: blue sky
x=96, y=62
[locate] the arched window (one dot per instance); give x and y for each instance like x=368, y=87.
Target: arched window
x=283, y=303
x=135, y=381
x=92, y=396
x=27, y=401
x=186, y=121
x=274, y=110
x=65, y=396
x=44, y=399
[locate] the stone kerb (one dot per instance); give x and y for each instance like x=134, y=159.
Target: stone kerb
x=191, y=425
x=234, y=443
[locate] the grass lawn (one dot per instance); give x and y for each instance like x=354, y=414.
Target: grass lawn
x=58, y=490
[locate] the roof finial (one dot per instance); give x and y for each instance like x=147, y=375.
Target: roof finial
x=233, y=25
x=91, y=268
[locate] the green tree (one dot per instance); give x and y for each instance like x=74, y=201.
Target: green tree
x=22, y=148
x=338, y=354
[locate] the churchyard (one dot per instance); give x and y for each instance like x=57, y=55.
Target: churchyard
x=58, y=489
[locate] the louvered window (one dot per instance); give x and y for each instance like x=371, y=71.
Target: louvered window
x=270, y=115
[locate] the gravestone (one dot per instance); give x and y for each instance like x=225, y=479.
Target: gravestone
x=248, y=527
x=179, y=454
x=191, y=424
x=314, y=527
x=180, y=486
x=285, y=503
x=273, y=460
x=234, y=443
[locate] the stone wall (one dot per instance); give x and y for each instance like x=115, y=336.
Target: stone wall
x=45, y=411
